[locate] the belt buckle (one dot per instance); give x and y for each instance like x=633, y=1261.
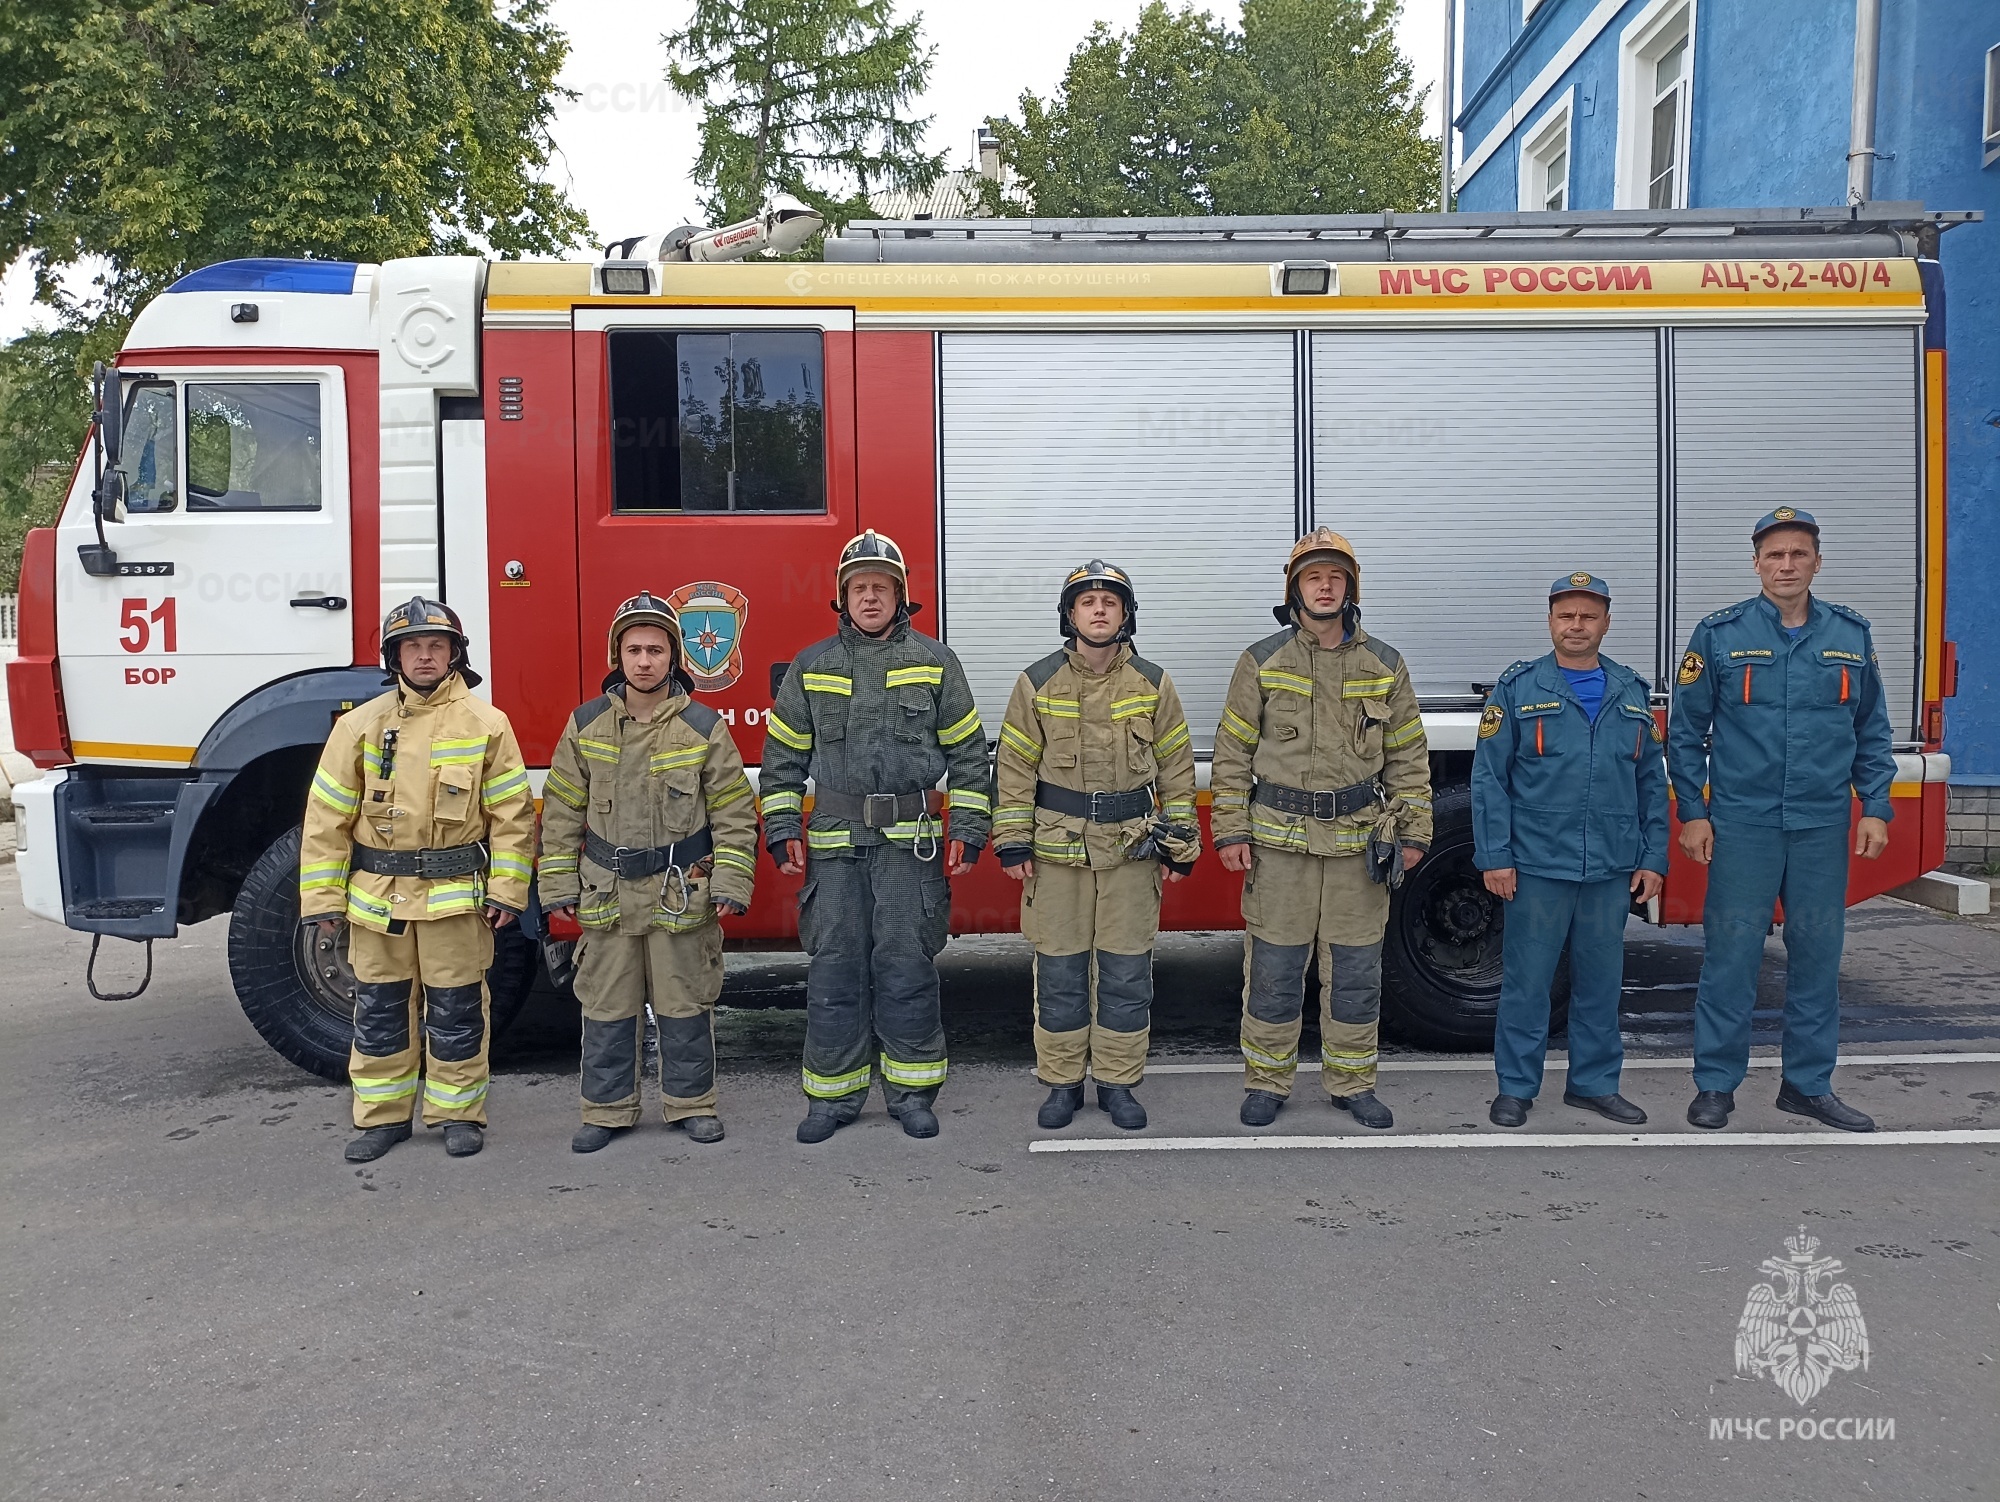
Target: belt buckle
x=618, y=855
x=1090, y=808
x=1332, y=806
x=870, y=802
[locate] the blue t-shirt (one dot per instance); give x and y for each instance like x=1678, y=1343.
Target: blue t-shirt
x=1793, y=631
x=1588, y=685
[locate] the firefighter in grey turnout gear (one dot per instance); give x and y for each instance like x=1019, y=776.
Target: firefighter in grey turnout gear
x=649, y=836
x=1096, y=787
x=876, y=715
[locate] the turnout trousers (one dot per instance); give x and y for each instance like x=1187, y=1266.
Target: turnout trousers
x=420, y=999
x=873, y=922
x=1292, y=904
x=1093, y=932
x=1755, y=867
x=617, y=974
x=1546, y=914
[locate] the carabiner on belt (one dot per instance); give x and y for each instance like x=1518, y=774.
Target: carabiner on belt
x=930, y=832
x=669, y=879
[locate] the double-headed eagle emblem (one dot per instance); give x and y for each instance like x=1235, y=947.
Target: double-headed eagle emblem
x=1800, y=1328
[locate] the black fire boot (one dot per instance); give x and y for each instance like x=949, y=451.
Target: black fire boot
x=1060, y=1109
x=1366, y=1109
x=589, y=1138
x=918, y=1119
x=375, y=1141
x=1260, y=1108
x=701, y=1128
x=1123, y=1105
x=825, y=1117
x=463, y=1138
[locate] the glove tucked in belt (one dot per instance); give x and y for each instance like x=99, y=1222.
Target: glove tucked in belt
x=450, y=860
x=878, y=810
x=632, y=864
x=1337, y=803
x=1099, y=808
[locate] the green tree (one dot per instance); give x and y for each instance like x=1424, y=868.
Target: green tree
x=148, y=137
x=1308, y=108
x=804, y=97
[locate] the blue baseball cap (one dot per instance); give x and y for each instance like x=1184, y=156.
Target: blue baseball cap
x=1784, y=516
x=1581, y=583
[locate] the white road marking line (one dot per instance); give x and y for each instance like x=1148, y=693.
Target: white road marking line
x=1946, y=1138
x=1558, y=1061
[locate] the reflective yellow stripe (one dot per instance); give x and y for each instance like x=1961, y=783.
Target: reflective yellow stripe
x=1239, y=727
x=1282, y=834
x=322, y=874
x=453, y=1097
x=1367, y=688
x=366, y=911
x=741, y=860
x=565, y=790
x=1059, y=850
x=1173, y=740
x=342, y=800
x=371, y=759
x=446, y=898
x=395, y=1088
x=1028, y=750
x=967, y=799
x=1014, y=813
x=772, y=803
x=833, y=1086
x=829, y=839
x=452, y=753
x=1415, y=800
x=786, y=735
x=1126, y=709
x=1178, y=808
x=687, y=756
x=732, y=791
x=1231, y=800
x=1060, y=709
x=1271, y=679
x=558, y=865
x=916, y=1076
x=907, y=677
x=498, y=789
x=1285, y=1062
x=512, y=865
x=827, y=683
x=1403, y=734
x=1347, y=1063
x=951, y=735
x=598, y=750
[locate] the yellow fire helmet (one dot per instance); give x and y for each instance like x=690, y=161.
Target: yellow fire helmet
x=1324, y=542
x=1097, y=574
x=870, y=553
x=644, y=609
x=417, y=616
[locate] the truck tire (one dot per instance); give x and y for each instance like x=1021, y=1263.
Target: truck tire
x=296, y=992
x=1441, y=956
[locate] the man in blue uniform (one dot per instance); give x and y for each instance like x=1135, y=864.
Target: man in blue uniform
x=1778, y=723
x=1569, y=819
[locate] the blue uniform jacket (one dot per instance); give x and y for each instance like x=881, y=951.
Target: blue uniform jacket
x=1558, y=796
x=1778, y=731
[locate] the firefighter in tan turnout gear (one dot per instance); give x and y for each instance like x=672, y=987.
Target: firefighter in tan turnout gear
x=420, y=830
x=649, y=836
x=1322, y=798
x=1096, y=808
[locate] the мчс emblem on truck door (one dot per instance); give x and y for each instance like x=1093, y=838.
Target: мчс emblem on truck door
x=712, y=618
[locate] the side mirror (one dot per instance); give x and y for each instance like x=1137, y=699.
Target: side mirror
x=108, y=417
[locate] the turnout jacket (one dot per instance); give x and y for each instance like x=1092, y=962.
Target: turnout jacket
x=1560, y=796
x=1320, y=719
x=1090, y=732
x=1780, y=731
x=642, y=784
x=861, y=715
x=412, y=772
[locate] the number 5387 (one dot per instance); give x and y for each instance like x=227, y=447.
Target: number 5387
x=136, y=620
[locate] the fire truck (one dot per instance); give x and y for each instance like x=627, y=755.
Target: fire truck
x=1481, y=402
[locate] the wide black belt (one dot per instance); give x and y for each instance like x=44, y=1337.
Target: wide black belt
x=1099, y=808
x=451, y=860
x=1336, y=803
x=631, y=863
x=877, y=810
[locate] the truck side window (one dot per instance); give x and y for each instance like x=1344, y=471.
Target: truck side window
x=722, y=421
x=253, y=446
x=149, y=455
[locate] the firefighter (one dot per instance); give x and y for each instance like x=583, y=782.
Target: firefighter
x=1322, y=799
x=1096, y=789
x=649, y=837
x=1569, y=818
x=420, y=830
x=877, y=715
x=1779, y=722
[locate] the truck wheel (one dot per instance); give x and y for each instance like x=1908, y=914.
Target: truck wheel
x=1441, y=955
x=297, y=989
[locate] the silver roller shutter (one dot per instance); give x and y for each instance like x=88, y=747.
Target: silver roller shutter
x=1470, y=468
x=1823, y=419
x=1168, y=454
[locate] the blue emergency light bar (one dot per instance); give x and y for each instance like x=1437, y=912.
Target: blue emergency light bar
x=271, y=274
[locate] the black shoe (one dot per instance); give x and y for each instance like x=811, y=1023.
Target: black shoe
x=824, y=1118
x=1366, y=1109
x=1829, y=1109
x=1710, y=1109
x=375, y=1141
x=1509, y=1110
x=918, y=1119
x=1123, y=1105
x=1614, y=1105
x=1060, y=1109
x=701, y=1128
x=463, y=1138
x=1260, y=1108
x=589, y=1138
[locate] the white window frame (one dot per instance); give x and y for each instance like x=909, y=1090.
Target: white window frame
x=1550, y=134
x=1991, y=116
x=1652, y=32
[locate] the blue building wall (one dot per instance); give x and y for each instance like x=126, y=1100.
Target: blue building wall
x=1768, y=127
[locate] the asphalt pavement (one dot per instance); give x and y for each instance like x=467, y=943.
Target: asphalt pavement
x=199, y=1298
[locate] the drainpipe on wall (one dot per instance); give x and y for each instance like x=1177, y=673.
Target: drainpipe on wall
x=1444, y=95
x=1861, y=123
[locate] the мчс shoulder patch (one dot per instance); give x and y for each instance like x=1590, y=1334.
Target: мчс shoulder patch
x=1489, y=721
x=1691, y=666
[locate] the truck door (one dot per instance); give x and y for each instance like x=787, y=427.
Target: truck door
x=715, y=460
x=234, y=560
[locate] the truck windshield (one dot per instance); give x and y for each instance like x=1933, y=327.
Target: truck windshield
x=253, y=446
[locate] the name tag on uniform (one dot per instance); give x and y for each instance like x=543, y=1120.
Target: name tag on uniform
x=1752, y=652
x=1841, y=656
